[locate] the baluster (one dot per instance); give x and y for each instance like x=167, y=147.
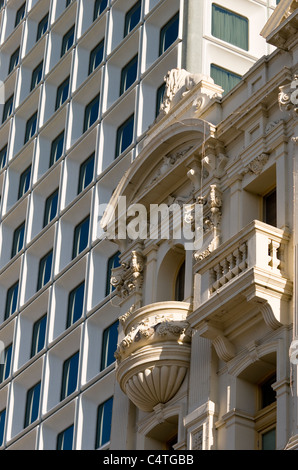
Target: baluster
x=274, y=262
x=243, y=251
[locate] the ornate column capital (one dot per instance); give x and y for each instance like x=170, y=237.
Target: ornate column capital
x=288, y=97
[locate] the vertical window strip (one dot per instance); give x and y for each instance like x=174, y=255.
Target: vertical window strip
x=38, y=336
x=104, y=421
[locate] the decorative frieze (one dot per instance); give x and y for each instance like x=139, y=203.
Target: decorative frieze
x=128, y=278
x=288, y=97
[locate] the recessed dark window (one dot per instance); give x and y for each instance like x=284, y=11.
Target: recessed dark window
x=3, y=156
x=96, y=56
x=128, y=74
x=14, y=60
x=11, y=300
x=57, y=148
x=18, y=239
x=104, y=422
x=132, y=18
x=70, y=375
x=159, y=98
x=81, y=235
x=2, y=425
x=91, y=113
x=36, y=75
x=75, y=304
x=7, y=110
x=65, y=439
x=45, y=270
x=99, y=7
x=30, y=127
x=168, y=34
x=51, y=206
x=179, y=285
x=124, y=136
x=270, y=209
x=67, y=41
x=42, y=26
x=24, y=182
x=6, y=365
x=20, y=14
x=86, y=173
x=39, y=335
x=32, y=404
x=113, y=262
x=109, y=345
x=62, y=93
x=229, y=26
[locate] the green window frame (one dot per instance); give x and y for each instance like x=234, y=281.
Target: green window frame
x=70, y=375
x=81, y=237
x=75, y=304
x=38, y=335
x=129, y=74
x=132, y=18
x=11, y=300
x=51, y=207
x=20, y=14
x=42, y=27
x=24, y=182
x=5, y=367
x=65, y=439
x=57, y=148
x=96, y=56
x=109, y=345
x=14, y=60
x=3, y=156
x=104, y=422
x=91, y=113
x=32, y=404
x=2, y=425
x=86, y=173
x=99, y=7
x=67, y=41
x=229, y=26
x=18, y=239
x=113, y=262
x=223, y=77
x=45, y=270
x=62, y=93
x=31, y=127
x=36, y=75
x=169, y=33
x=7, y=110
x=124, y=136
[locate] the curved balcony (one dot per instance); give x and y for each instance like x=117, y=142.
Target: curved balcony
x=153, y=357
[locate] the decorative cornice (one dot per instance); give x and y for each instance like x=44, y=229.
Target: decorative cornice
x=288, y=97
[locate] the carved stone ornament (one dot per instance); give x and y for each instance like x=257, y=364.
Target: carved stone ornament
x=257, y=164
x=128, y=277
x=288, y=97
x=197, y=440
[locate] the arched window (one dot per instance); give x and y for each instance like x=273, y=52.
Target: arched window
x=179, y=284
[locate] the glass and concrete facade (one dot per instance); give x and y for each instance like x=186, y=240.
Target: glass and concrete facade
x=83, y=81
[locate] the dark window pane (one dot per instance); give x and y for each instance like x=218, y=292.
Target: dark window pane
x=7, y=110
x=57, y=148
x=68, y=2
x=38, y=336
x=128, y=74
x=96, y=56
x=113, y=262
x=224, y=78
x=67, y=41
x=132, y=18
x=32, y=404
x=81, y=235
x=99, y=7
x=3, y=155
x=230, y=27
x=45, y=270
x=14, y=60
x=86, y=173
x=62, y=93
x=104, y=421
x=70, y=375
x=20, y=14
x=65, y=438
x=51, y=206
x=24, y=182
x=75, y=304
x=42, y=26
x=270, y=209
x=109, y=345
x=159, y=97
x=269, y=440
x=36, y=76
x=11, y=300
x=30, y=127
x=124, y=135
x=6, y=365
x=18, y=239
x=168, y=34
x=2, y=426
x=179, y=287
x=268, y=395
x=91, y=113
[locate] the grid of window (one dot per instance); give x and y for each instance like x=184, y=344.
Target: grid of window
x=91, y=113
x=39, y=335
x=132, y=18
x=96, y=56
x=81, y=235
x=32, y=404
x=104, y=421
x=51, y=207
x=14, y=60
x=18, y=239
x=24, y=182
x=124, y=136
x=36, y=76
x=86, y=173
x=129, y=74
x=229, y=26
x=70, y=375
x=7, y=110
x=11, y=300
x=57, y=148
x=109, y=345
x=45, y=270
x=5, y=365
x=42, y=27
x=62, y=93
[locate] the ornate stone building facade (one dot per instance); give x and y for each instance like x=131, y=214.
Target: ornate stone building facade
x=206, y=348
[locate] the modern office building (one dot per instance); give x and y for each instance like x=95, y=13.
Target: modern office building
x=85, y=102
